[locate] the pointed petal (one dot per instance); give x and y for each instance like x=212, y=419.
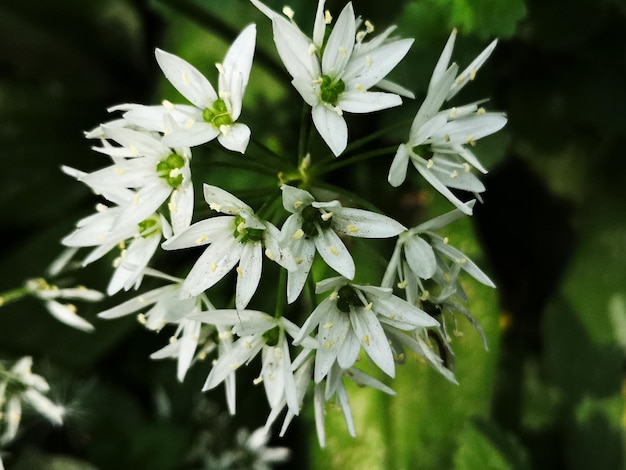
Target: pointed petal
x=335, y=253
x=373, y=339
x=340, y=43
x=235, y=137
x=249, y=273
x=332, y=127
x=399, y=166
x=420, y=256
x=186, y=79
x=216, y=261
x=293, y=48
x=356, y=101
x=365, y=224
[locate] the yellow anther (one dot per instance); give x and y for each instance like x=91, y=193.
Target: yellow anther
x=141, y=318
x=446, y=240
x=360, y=88
x=168, y=105
x=470, y=140
x=239, y=271
x=352, y=228
x=454, y=174
x=297, y=204
x=288, y=12
x=224, y=129
x=481, y=110
x=338, y=110
x=461, y=260
x=213, y=267
x=136, y=199
x=220, y=68
x=278, y=353
x=298, y=234
x=334, y=295
x=327, y=17
x=402, y=285
x=234, y=365
x=172, y=207
x=473, y=74
x=342, y=51
x=328, y=325
x=368, y=61
x=333, y=250
x=298, y=260
x=467, y=167
x=329, y=345
x=460, y=79
x=258, y=380
x=133, y=150
x=269, y=254
x=225, y=335
x=185, y=78
x=173, y=339
x=453, y=112
x=201, y=239
x=369, y=27
x=369, y=306
x=119, y=171
x=215, y=206
x=327, y=216
x=360, y=36
x=366, y=340
x=247, y=345
x=446, y=137
x=430, y=164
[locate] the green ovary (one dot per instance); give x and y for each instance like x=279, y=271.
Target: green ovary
x=311, y=218
x=170, y=170
x=247, y=234
x=218, y=115
x=148, y=227
x=347, y=297
x=330, y=90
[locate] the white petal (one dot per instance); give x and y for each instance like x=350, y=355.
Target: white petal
x=199, y=133
x=304, y=252
x=470, y=72
x=67, y=315
x=242, y=351
x=420, y=256
x=240, y=53
x=201, y=233
x=349, y=352
x=373, y=339
x=332, y=334
x=365, y=224
x=188, y=343
x=335, y=253
x=332, y=127
x=340, y=43
x=181, y=207
x=401, y=314
x=442, y=63
x=249, y=273
x=224, y=202
x=369, y=70
x=216, y=261
x=295, y=199
x=235, y=137
x=355, y=101
x=469, y=129
x=186, y=79
x=293, y=48
x=399, y=166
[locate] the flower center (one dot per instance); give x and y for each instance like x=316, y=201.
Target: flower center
x=330, y=90
x=148, y=227
x=271, y=336
x=170, y=169
x=246, y=234
x=346, y=297
x=311, y=218
x=218, y=115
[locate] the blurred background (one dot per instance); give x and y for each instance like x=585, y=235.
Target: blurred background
x=549, y=392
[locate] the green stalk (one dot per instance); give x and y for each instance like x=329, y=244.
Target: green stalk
x=13, y=295
x=356, y=159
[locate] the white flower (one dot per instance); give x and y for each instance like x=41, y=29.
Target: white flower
x=351, y=317
x=138, y=243
x=258, y=332
x=158, y=173
x=18, y=385
x=64, y=312
x=165, y=306
x=439, y=141
x=335, y=75
x=236, y=238
x=213, y=114
x=312, y=226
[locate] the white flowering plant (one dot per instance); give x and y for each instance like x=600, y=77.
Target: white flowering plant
x=295, y=271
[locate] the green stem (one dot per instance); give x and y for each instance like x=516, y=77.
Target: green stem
x=348, y=195
x=13, y=295
x=356, y=159
x=281, y=294
x=305, y=133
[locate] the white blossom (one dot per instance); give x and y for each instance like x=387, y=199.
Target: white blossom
x=334, y=75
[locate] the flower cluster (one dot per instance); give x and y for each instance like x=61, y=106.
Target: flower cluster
x=325, y=321
x=19, y=387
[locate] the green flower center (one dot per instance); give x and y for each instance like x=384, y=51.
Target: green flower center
x=346, y=297
x=170, y=169
x=311, y=218
x=247, y=234
x=218, y=115
x=148, y=227
x=271, y=336
x=330, y=90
